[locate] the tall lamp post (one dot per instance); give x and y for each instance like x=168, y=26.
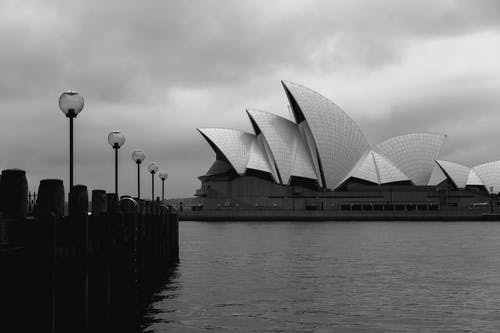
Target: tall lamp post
x=71, y=103
x=138, y=156
x=116, y=139
x=163, y=176
x=153, y=168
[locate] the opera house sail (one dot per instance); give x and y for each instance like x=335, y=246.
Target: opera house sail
x=321, y=159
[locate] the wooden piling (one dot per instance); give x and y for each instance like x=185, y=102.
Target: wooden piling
x=50, y=197
x=83, y=272
x=99, y=202
x=112, y=202
x=14, y=193
x=78, y=200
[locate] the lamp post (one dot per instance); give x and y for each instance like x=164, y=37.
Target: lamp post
x=116, y=139
x=163, y=176
x=71, y=103
x=153, y=167
x=138, y=156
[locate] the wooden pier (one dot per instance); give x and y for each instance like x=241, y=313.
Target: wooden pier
x=84, y=272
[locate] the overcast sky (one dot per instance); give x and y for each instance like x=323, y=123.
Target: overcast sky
x=156, y=70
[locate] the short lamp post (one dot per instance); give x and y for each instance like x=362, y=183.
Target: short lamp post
x=138, y=156
x=71, y=104
x=163, y=176
x=153, y=168
x=116, y=139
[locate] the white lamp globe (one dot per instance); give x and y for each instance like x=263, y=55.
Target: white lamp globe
x=71, y=103
x=163, y=175
x=153, y=167
x=138, y=156
x=116, y=139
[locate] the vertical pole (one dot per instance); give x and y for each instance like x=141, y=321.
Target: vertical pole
x=85, y=219
x=491, y=203
x=46, y=246
x=138, y=180
x=116, y=172
x=163, y=191
x=491, y=199
x=70, y=150
x=108, y=243
x=52, y=255
x=152, y=186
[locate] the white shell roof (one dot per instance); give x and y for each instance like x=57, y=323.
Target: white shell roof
x=414, y=154
x=285, y=142
x=326, y=145
x=456, y=172
x=437, y=176
x=307, y=137
x=269, y=156
x=339, y=141
x=377, y=169
x=219, y=167
x=366, y=169
x=303, y=165
x=257, y=158
x=473, y=179
x=243, y=150
x=387, y=171
x=489, y=174
x=234, y=144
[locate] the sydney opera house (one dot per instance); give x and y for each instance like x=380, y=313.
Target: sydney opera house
x=321, y=160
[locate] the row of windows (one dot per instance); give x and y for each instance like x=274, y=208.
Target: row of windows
x=389, y=207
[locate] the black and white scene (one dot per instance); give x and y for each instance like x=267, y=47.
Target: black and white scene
x=250, y=166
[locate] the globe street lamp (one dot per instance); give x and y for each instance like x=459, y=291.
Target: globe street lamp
x=163, y=176
x=153, y=167
x=138, y=156
x=116, y=139
x=71, y=103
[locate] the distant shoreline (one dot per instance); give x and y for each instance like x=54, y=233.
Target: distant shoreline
x=258, y=216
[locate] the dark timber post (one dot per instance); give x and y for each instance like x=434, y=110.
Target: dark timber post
x=14, y=193
x=50, y=197
x=49, y=222
x=78, y=215
x=99, y=202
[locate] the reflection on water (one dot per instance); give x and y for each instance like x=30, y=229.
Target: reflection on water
x=322, y=277
x=160, y=293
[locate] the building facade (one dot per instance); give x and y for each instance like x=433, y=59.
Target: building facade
x=321, y=160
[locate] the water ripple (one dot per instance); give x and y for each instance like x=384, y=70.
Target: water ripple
x=324, y=277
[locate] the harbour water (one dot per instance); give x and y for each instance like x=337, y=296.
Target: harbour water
x=332, y=277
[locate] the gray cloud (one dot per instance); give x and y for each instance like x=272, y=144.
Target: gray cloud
x=120, y=51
